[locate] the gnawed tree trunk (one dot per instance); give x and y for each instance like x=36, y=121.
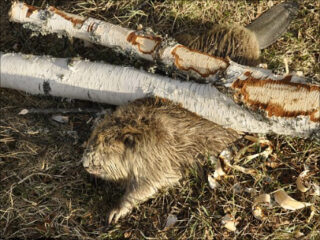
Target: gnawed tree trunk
x=142, y=44
x=81, y=79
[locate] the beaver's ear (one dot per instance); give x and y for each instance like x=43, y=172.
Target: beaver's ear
x=129, y=140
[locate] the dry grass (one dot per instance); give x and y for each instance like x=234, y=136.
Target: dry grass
x=44, y=191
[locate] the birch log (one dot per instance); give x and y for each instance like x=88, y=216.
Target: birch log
x=82, y=79
x=276, y=97
x=139, y=43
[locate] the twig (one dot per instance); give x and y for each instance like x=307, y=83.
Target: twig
x=62, y=110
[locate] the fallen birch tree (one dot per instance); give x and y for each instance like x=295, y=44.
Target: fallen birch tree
x=82, y=79
x=143, y=44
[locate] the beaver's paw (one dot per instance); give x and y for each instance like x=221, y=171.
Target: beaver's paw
x=117, y=213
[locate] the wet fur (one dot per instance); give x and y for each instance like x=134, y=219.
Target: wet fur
x=233, y=41
x=148, y=144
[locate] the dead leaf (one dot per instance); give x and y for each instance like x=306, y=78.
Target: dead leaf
x=229, y=222
x=127, y=234
x=171, y=220
x=315, y=189
x=60, y=118
x=258, y=211
x=287, y=202
x=226, y=155
x=298, y=234
x=23, y=112
x=302, y=184
x=262, y=198
x=213, y=183
x=219, y=171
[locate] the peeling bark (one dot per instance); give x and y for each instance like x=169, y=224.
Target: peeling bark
x=82, y=79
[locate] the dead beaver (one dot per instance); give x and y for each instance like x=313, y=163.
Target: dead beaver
x=148, y=144
x=243, y=44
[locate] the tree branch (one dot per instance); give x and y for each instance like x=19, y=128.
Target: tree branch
x=117, y=85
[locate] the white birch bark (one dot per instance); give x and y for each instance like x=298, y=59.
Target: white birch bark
x=139, y=43
x=278, y=97
x=82, y=79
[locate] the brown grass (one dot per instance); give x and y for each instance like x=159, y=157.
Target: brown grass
x=44, y=191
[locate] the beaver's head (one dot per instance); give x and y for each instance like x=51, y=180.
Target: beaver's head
x=123, y=144
x=111, y=149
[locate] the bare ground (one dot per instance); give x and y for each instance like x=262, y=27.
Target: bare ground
x=44, y=191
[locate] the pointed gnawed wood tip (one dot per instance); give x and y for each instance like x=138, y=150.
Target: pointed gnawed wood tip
x=10, y=11
x=21, y=5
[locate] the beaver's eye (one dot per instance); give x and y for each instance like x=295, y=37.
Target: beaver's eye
x=129, y=141
x=117, y=120
x=145, y=120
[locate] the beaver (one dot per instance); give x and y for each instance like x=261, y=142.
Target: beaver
x=147, y=145
x=243, y=44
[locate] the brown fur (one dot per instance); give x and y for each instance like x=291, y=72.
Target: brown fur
x=148, y=144
x=234, y=41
